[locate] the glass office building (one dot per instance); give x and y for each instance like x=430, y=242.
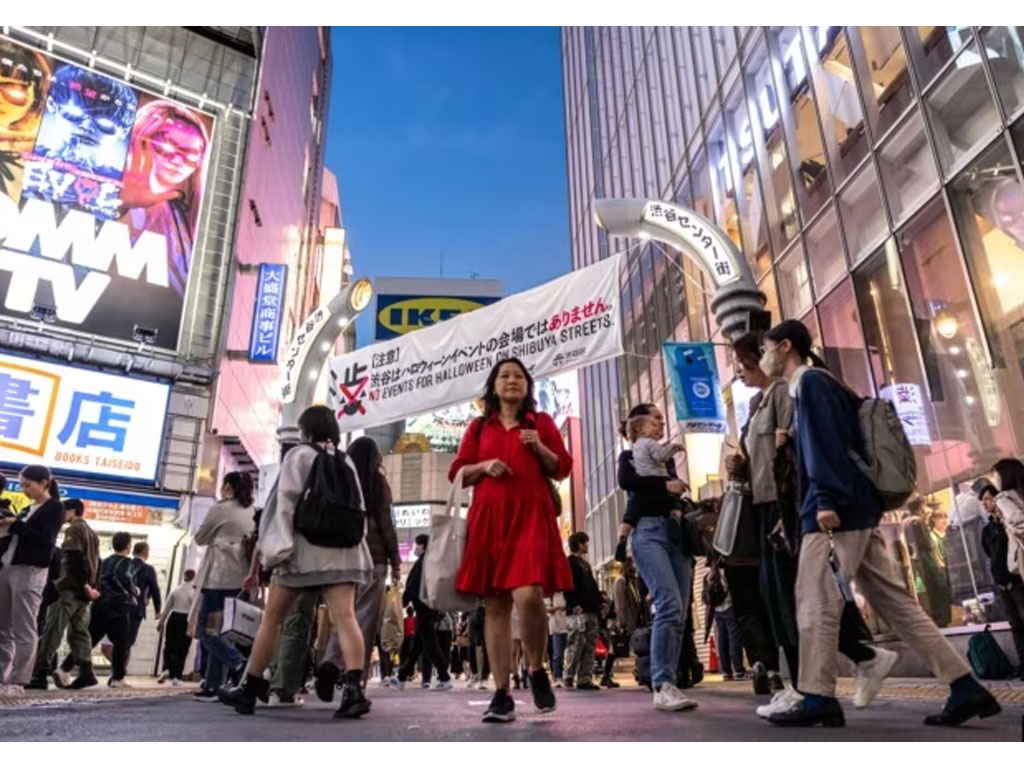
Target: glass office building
x=871, y=176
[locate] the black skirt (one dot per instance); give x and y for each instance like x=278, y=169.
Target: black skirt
x=778, y=579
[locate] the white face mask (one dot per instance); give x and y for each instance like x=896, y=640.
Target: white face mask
x=996, y=483
x=773, y=363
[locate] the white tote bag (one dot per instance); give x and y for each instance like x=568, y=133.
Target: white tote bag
x=241, y=621
x=444, y=555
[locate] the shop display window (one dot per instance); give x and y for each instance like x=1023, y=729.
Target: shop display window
x=1004, y=50
x=794, y=282
x=909, y=175
x=835, y=90
x=860, y=205
x=844, y=342
x=961, y=110
x=883, y=75
x=825, y=252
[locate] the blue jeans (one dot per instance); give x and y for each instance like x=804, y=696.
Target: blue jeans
x=668, y=574
x=219, y=651
x=730, y=644
x=557, y=655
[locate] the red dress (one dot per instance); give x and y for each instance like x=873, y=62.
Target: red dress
x=512, y=538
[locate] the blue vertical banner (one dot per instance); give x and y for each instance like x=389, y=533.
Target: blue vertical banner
x=696, y=389
x=266, y=314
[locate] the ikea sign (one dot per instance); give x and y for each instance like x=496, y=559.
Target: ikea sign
x=401, y=314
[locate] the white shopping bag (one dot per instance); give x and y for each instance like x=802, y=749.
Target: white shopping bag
x=241, y=621
x=444, y=555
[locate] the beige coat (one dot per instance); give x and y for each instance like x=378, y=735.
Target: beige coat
x=1012, y=508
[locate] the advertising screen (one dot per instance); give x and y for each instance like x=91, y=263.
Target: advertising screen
x=100, y=190
x=80, y=421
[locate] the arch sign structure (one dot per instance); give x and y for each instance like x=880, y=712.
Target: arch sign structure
x=736, y=293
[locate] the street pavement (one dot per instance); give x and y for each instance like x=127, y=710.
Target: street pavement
x=725, y=714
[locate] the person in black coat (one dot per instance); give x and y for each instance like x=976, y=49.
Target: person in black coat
x=27, y=542
x=149, y=589
x=425, y=639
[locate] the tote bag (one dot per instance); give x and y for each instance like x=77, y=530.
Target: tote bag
x=444, y=555
x=728, y=520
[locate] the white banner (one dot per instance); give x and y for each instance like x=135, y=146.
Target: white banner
x=556, y=327
x=79, y=421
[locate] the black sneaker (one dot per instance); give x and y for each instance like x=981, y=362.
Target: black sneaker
x=353, y=702
x=587, y=686
x=981, y=704
x=569, y=683
x=502, y=708
x=327, y=676
x=543, y=696
x=760, y=677
x=204, y=695
x=84, y=680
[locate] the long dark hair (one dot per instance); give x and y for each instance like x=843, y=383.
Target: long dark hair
x=37, y=473
x=1011, y=475
x=644, y=409
x=491, y=403
x=367, y=457
x=241, y=487
x=796, y=333
x=319, y=425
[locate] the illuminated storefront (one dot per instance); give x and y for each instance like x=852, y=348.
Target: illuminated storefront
x=871, y=176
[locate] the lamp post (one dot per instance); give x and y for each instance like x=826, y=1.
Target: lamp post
x=309, y=350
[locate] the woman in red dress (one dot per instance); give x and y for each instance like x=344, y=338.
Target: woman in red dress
x=513, y=551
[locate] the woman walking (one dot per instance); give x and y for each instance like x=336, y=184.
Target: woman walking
x=658, y=551
x=300, y=566
x=27, y=541
x=513, y=551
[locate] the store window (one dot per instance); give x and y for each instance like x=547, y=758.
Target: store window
x=753, y=224
x=988, y=205
x=972, y=416
x=961, y=110
x=825, y=252
x=836, y=92
x=844, y=342
x=723, y=190
x=882, y=73
x=810, y=320
x=864, y=222
x=932, y=47
x=769, y=145
x=1004, y=50
x=909, y=175
x=805, y=142
x=794, y=282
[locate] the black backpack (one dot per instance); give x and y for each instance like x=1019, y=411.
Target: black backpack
x=330, y=511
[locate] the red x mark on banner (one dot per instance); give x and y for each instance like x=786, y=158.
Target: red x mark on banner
x=353, y=398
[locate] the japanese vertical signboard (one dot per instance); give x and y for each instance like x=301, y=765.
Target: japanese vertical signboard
x=556, y=327
x=266, y=314
x=909, y=404
x=696, y=394
x=80, y=421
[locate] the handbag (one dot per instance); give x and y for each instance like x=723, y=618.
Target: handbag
x=620, y=645
x=241, y=620
x=448, y=531
x=729, y=514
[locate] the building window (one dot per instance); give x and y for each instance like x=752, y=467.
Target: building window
x=1005, y=53
x=722, y=187
x=767, y=287
x=794, y=282
x=961, y=110
x=864, y=219
x=844, y=342
x=909, y=175
x=883, y=75
x=825, y=252
x=705, y=64
x=932, y=47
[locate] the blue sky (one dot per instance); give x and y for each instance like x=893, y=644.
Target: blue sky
x=450, y=139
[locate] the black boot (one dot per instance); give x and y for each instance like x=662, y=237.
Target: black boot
x=327, y=676
x=515, y=682
x=243, y=697
x=353, y=700
x=86, y=677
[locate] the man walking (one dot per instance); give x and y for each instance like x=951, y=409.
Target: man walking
x=149, y=589
x=111, y=615
x=425, y=640
x=582, y=604
x=76, y=587
x=174, y=619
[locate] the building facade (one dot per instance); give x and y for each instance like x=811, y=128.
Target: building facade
x=871, y=176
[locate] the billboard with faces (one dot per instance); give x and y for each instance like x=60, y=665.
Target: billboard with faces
x=100, y=190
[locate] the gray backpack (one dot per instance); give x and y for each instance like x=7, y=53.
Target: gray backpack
x=888, y=460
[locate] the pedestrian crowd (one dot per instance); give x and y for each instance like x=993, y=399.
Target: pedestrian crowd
x=803, y=505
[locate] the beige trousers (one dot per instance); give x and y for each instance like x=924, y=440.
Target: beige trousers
x=819, y=606
x=21, y=594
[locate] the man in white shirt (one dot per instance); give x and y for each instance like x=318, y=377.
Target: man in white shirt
x=174, y=617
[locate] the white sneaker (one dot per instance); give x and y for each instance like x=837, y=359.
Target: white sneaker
x=399, y=684
x=443, y=685
x=424, y=685
x=482, y=686
x=558, y=683
x=782, y=701
x=671, y=699
x=61, y=678
x=275, y=701
x=176, y=682
x=164, y=676
x=393, y=681
x=869, y=676
x=12, y=691
x=119, y=684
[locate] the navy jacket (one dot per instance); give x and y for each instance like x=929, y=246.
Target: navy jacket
x=149, y=588
x=827, y=429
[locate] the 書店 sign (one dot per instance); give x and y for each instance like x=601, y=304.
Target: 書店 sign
x=266, y=314
x=556, y=327
x=75, y=420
